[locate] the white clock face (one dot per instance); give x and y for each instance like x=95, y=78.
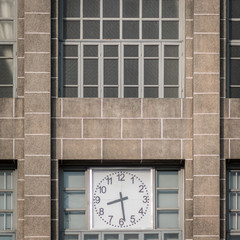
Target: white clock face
x=122, y=199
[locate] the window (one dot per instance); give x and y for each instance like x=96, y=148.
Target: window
x=6, y=205
x=117, y=203
x=121, y=48
x=7, y=47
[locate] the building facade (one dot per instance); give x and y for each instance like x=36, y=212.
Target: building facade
x=119, y=119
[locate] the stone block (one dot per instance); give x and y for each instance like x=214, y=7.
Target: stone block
x=187, y=149
x=206, y=83
x=206, y=144
x=20, y=9
x=189, y=9
x=188, y=89
x=19, y=106
x=206, y=185
x=37, y=145
x=37, y=102
x=206, y=226
x=56, y=149
x=37, y=124
x=37, y=205
x=35, y=22
x=19, y=149
x=207, y=7
x=37, y=226
x=188, y=227
x=162, y=108
x=231, y=128
x=234, y=149
x=37, y=165
x=206, y=103
x=206, y=63
x=206, y=124
x=37, y=6
x=6, y=107
x=187, y=108
x=189, y=68
x=6, y=149
x=206, y=205
x=20, y=189
x=20, y=209
x=234, y=107
x=188, y=209
x=121, y=107
x=56, y=107
x=37, y=42
x=37, y=185
x=37, y=62
x=20, y=67
x=20, y=28
x=189, y=27
x=101, y=128
x=224, y=103
x=188, y=189
x=206, y=23
x=189, y=48
x=206, y=165
x=206, y=43
x=188, y=170
x=142, y=128
x=20, y=87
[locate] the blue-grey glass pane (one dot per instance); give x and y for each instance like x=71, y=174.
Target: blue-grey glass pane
x=171, y=92
x=110, y=72
x=70, y=50
x=170, y=8
x=131, y=236
x=2, y=197
x=234, y=238
x=150, y=8
x=233, y=180
x=151, y=92
x=110, y=51
x=234, y=71
x=2, y=180
x=71, y=237
x=6, y=51
x=171, y=236
x=74, y=199
x=70, y=71
x=111, y=8
x=70, y=92
x=167, y=219
x=6, y=92
x=91, y=29
x=234, y=92
x=74, y=220
x=130, y=30
x=90, y=92
x=6, y=71
x=170, y=30
x=170, y=51
x=233, y=221
x=111, y=29
x=8, y=221
x=130, y=8
x=234, y=8
x=167, y=179
x=74, y=179
x=90, y=50
x=90, y=72
x=151, y=236
x=130, y=92
x=91, y=8
x=131, y=71
x=6, y=237
x=6, y=9
x=167, y=199
x=234, y=51
x=111, y=92
x=71, y=29
x=2, y=217
x=151, y=51
x=150, y=72
x=71, y=8
x=150, y=30
x=171, y=72
x=6, y=30
x=90, y=236
x=131, y=51
x=111, y=237
x=234, y=33
x=9, y=201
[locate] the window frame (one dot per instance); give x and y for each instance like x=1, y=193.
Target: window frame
x=140, y=42
x=179, y=230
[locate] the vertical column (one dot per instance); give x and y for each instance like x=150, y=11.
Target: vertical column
x=37, y=106
x=206, y=119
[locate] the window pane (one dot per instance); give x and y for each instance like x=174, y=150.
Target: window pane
x=71, y=8
x=70, y=71
x=170, y=30
x=151, y=236
x=170, y=8
x=9, y=201
x=74, y=220
x=131, y=237
x=130, y=8
x=70, y=50
x=2, y=201
x=171, y=236
x=234, y=33
x=8, y=221
x=90, y=72
x=90, y=92
x=234, y=71
x=71, y=29
x=6, y=30
x=111, y=8
x=150, y=30
x=130, y=29
x=234, y=9
x=74, y=179
x=131, y=51
x=6, y=71
x=150, y=8
x=6, y=92
x=90, y=237
x=238, y=180
x=2, y=180
x=111, y=92
x=110, y=51
x=233, y=200
x=233, y=180
x=151, y=92
x=170, y=51
x=171, y=92
x=171, y=72
x=91, y=51
x=150, y=51
x=6, y=237
x=151, y=72
x=234, y=92
x=234, y=51
x=167, y=199
x=6, y=51
x=2, y=227
x=111, y=237
x=6, y=8
x=91, y=29
x=74, y=199
x=233, y=220
x=91, y=8
x=167, y=219
x=70, y=92
x=71, y=237
x=131, y=71
x=130, y=92
x=167, y=179
x=110, y=72
x=111, y=29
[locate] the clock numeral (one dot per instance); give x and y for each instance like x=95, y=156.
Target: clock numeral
x=102, y=189
x=141, y=187
x=110, y=220
x=97, y=199
x=132, y=219
x=145, y=199
x=101, y=212
x=121, y=222
x=109, y=180
x=132, y=178
x=121, y=177
x=141, y=211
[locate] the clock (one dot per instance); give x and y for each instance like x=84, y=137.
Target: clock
x=121, y=199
